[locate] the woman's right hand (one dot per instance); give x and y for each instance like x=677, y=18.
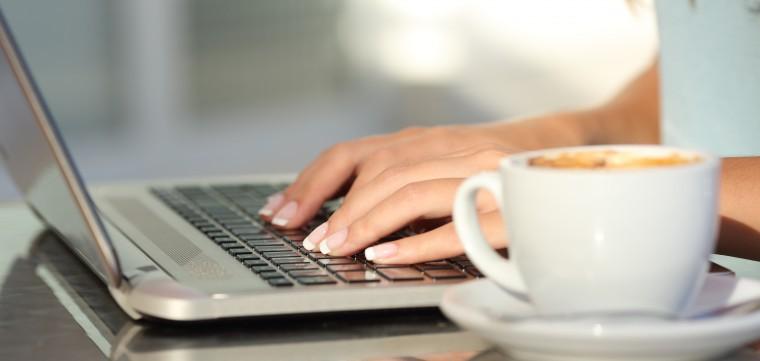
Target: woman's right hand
x=349, y=165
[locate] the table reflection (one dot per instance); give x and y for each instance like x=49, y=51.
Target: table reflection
x=63, y=287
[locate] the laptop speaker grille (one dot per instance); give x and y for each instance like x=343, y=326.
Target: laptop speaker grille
x=167, y=239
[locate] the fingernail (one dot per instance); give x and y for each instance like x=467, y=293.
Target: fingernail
x=334, y=241
x=381, y=251
x=285, y=214
x=273, y=202
x=310, y=242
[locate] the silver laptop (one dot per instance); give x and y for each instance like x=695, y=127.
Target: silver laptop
x=190, y=250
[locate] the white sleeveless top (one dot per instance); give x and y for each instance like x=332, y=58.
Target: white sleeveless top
x=710, y=74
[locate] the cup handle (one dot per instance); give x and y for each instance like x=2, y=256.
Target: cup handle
x=502, y=271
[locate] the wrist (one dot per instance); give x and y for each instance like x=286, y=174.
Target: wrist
x=554, y=130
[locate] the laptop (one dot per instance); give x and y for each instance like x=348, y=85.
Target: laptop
x=191, y=250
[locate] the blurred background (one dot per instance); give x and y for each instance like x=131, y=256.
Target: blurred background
x=146, y=89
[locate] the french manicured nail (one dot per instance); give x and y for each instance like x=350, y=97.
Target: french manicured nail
x=285, y=214
x=381, y=251
x=273, y=202
x=310, y=242
x=333, y=241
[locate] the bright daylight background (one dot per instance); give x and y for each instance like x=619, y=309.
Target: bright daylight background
x=146, y=89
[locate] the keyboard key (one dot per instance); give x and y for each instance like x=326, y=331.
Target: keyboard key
x=227, y=218
x=237, y=251
x=213, y=234
x=306, y=273
x=286, y=260
x=264, y=189
x=223, y=239
x=280, y=282
x=248, y=202
x=293, y=238
x=441, y=274
x=255, y=262
x=401, y=274
x=463, y=263
x=345, y=267
x=315, y=280
x=378, y=266
x=359, y=277
x=196, y=219
x=270, y=274
x=256, y=237
x=265, y=242
x=293, y=232
x=229, y=245
x=301, y=250
x=277, y=248
x=239, y=223
x=189, y=189
x=243, y=257
x=434, y=265
x=298, y=266
x=473, y=271
x=320, y=255
x=334, y=261
x=200, y=222
x=248, y=232
x=260, y=269
x=245, y=227
x=209, y=228
x=280, y=254
x=222, y=213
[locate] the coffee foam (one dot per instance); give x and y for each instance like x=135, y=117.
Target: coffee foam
x=611, y=159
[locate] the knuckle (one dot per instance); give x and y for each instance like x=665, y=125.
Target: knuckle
x=376, y=160
x=412, y=193
x=364, y=228
x=338, y=152
x=341, y=217
x=290, y=192
x=390, y=173
x=382, y=156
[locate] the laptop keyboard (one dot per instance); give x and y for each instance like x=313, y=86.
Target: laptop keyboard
x=228, y=216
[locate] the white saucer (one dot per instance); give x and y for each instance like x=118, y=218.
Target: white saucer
x=483, y=307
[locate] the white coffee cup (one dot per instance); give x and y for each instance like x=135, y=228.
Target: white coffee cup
x=598, y=241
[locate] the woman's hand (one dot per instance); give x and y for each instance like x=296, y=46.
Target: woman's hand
x=393, y=180
x=407, y=193
x=347, y=167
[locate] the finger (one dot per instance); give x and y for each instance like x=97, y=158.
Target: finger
x=301, y=201
x=409, y=151
x=437, y=244
x=427, y=199
x=323, y=178
x=360, y=201
x=365, y=158
x=318, y=182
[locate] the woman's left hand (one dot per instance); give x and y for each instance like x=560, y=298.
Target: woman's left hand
x=405, y=194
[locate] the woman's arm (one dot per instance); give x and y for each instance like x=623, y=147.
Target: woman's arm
x=630, y=117
x=740, y=208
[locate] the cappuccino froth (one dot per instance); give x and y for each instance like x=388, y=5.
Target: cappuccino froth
x=610, y=159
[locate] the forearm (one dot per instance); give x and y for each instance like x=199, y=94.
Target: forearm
x=632, y=116
x=740, y=208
